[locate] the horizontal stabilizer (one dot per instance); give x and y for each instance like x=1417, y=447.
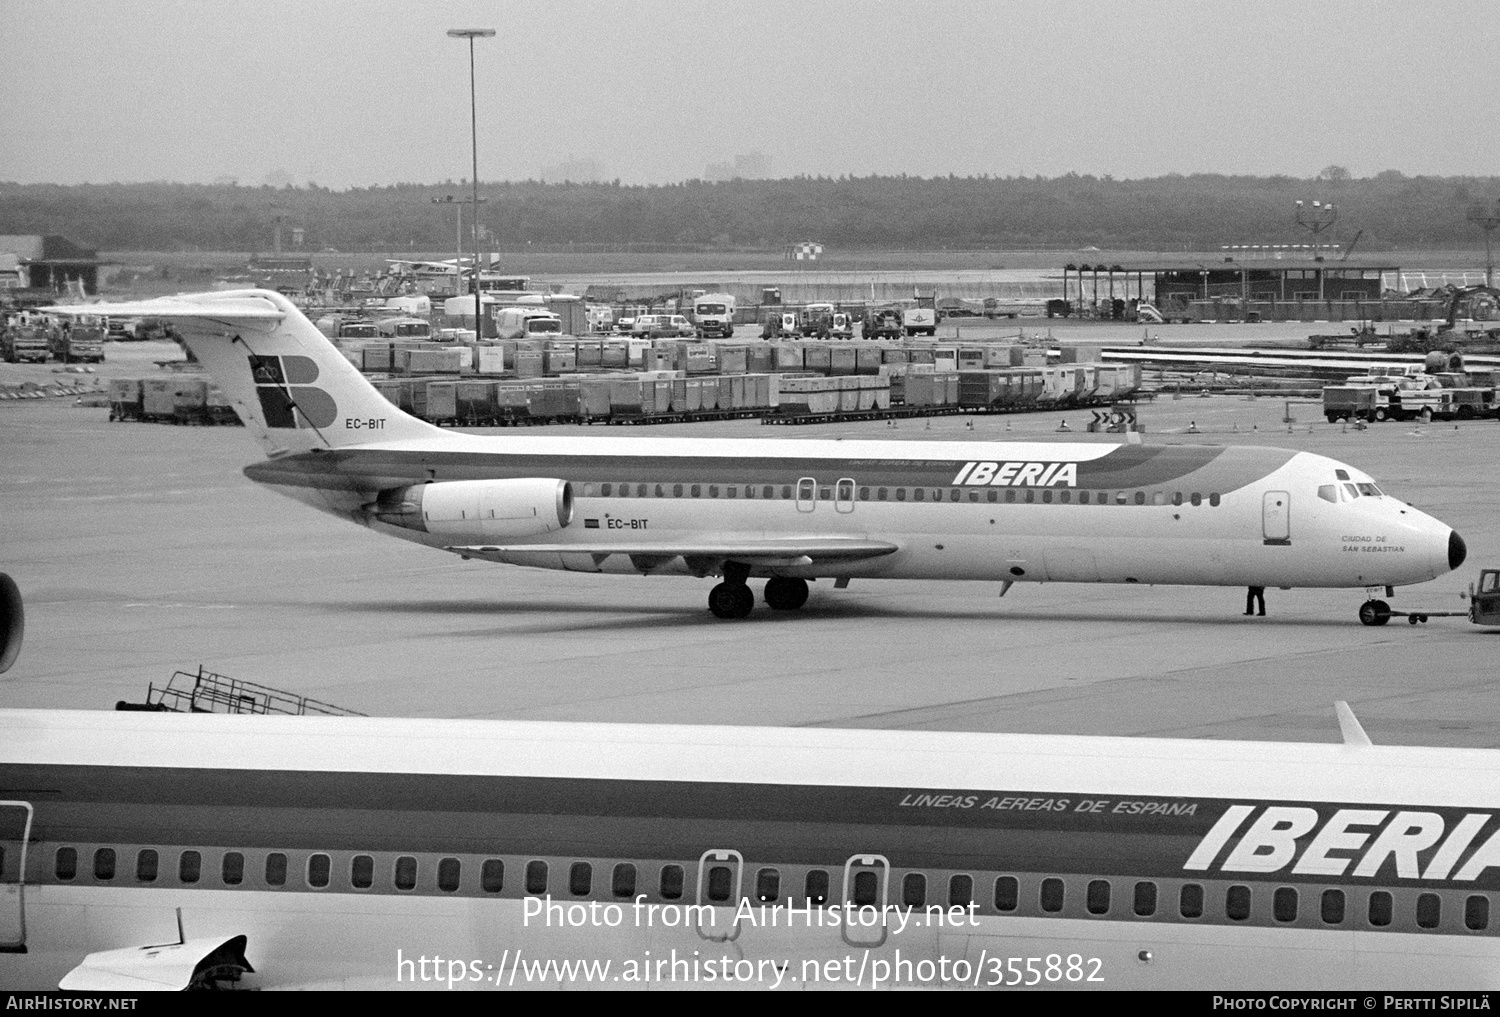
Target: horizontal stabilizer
x=229, y=307
x=170, y=968
x=748, y=551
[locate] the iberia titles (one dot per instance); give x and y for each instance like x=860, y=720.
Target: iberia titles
x=1017, y=475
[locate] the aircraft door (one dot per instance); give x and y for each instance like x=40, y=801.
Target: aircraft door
x=721, y=873
x=867, y=884
x=1276, y=517
x=807, y=494
x=15, y=835
x=843, y=495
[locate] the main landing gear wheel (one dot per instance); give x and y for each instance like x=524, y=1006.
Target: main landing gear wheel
x=784, y=594
x=731, y=600
x=1374, y=612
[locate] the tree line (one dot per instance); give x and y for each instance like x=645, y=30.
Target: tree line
x=1198, y=212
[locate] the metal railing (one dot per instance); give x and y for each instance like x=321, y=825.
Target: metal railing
x=206, y=692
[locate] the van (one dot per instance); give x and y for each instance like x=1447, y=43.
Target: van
x=526, y=323
x=404, y=328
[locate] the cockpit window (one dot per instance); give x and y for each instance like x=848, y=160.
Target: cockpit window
x=1329, y=492
x=1369, y=490
x=1341, y=474
x=1353, y=492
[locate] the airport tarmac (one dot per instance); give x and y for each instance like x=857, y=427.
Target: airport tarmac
x=142, y=549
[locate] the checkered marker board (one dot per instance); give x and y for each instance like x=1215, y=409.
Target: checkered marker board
x=807, y=251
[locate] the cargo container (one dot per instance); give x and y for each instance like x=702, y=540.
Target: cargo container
x=697, y=360
x=945, y=358
x=442, y=401
x=425, y=361
x=788, y=356
x=841, y=361
x=594, y=398
x=725, y=396
x=491, y=360
x=817, y=357
x=375, y=358
x=867, y=360
x=530, y=364
x=693, y=397
x=629, y=397
x=890, y=356
x=561, y=362
x=971, y=358
x=760, y=359
x=813, y=395
x=664, y=392
x=614, y=354
x=476, y=402
x=678, y=394
x=390, y=389
x=124, y=399
x=733, y=360
x=848, y=394
x=513, y=400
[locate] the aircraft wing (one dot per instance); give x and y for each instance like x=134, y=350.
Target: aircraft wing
x=791, y=551
x=228, y=307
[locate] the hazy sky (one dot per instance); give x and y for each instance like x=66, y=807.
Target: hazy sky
x=356, y=93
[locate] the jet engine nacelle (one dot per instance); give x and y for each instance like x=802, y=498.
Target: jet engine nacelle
x=480, y=509
x=12, y=622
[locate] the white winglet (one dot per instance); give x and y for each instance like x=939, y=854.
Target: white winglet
x=1354, y=733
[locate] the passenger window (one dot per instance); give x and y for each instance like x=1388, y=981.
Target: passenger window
x=492, y=875
x=104, y=863
x=671, y=881
x=696, y=491
x=536, y=877
x=276, y=869
x=914, y=890
x=66, y=866
x=232, y=868
x=362, y=872
x=318, y=868
x=1237, y=903
x=1051, y=897
x=624, y=490
x=1140, y=497
x=825, y=493
x=713, y=490
x=146, y=862
x=1047, y=496
x=900, y=494
x=815, y=887
x=866, y=888
x=1477, y=913
x=1007, y=893
x=864, y=494
x=918, y=493
x=961, y=891
x=720, y=882
x=1177, y=498
x=731, y=491
x=1145, y=899
x=1328, y=493
x=1030, y=495
x=767, y=885
x=880, y=495
x=661, y=492
x=1429, y=910
x=786, y=492
x=1158, y=497
x=954, y=494
x=845, y=490
x=1065, y=496
x=1098, y=897
x=640, y=490
x=622, y=882
x=1197, y=499
x=1190, y=901
x=1213, y=500
x=1380, y=908
x=1119, y=497
x=1010, y=494
x=677, y=490
x=1083, y=497
x=405, y=876
x=1284, y=904
x=806, y=489
x=580, y=879
x=606, y=489
x=992, y=496
x=588, y=490
x=1333, y=907
x=449, y=873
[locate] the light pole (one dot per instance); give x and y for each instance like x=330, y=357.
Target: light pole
x=471, y=34
x=1317, y=219
x=1487, y=219
x=458, y=235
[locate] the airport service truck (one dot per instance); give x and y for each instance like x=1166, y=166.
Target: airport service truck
x=24, y=339
x=79, y=341
x=527, y=323
x=713, y=314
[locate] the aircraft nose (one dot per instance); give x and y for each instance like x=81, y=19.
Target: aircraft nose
x=1457, y=550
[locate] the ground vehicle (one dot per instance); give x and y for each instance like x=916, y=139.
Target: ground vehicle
x=1484, y=602
x=842, y=326
x=25, y=338
x=601, y=318
x=883, y=323
x=404, y=328
x=781, y=326
x=81, y=341
x=627, y=315
x=357, y=330
x=663, y=326
x=714, y=314
x=526, y=323
x=815, y=321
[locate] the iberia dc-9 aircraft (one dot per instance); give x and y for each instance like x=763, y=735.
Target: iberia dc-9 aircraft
x=792, y=511
x=170, y=851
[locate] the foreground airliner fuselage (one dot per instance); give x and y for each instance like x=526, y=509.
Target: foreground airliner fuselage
x=791, y=511
x=165, y=849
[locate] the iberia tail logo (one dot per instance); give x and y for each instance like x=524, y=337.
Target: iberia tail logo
x=288, y=399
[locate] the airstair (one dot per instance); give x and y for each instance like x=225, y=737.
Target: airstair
x=206, y=692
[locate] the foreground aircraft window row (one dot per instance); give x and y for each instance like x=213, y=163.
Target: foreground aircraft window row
x=1071, y=897
x=844, y=493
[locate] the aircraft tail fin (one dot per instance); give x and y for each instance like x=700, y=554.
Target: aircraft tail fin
x=286, y=380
